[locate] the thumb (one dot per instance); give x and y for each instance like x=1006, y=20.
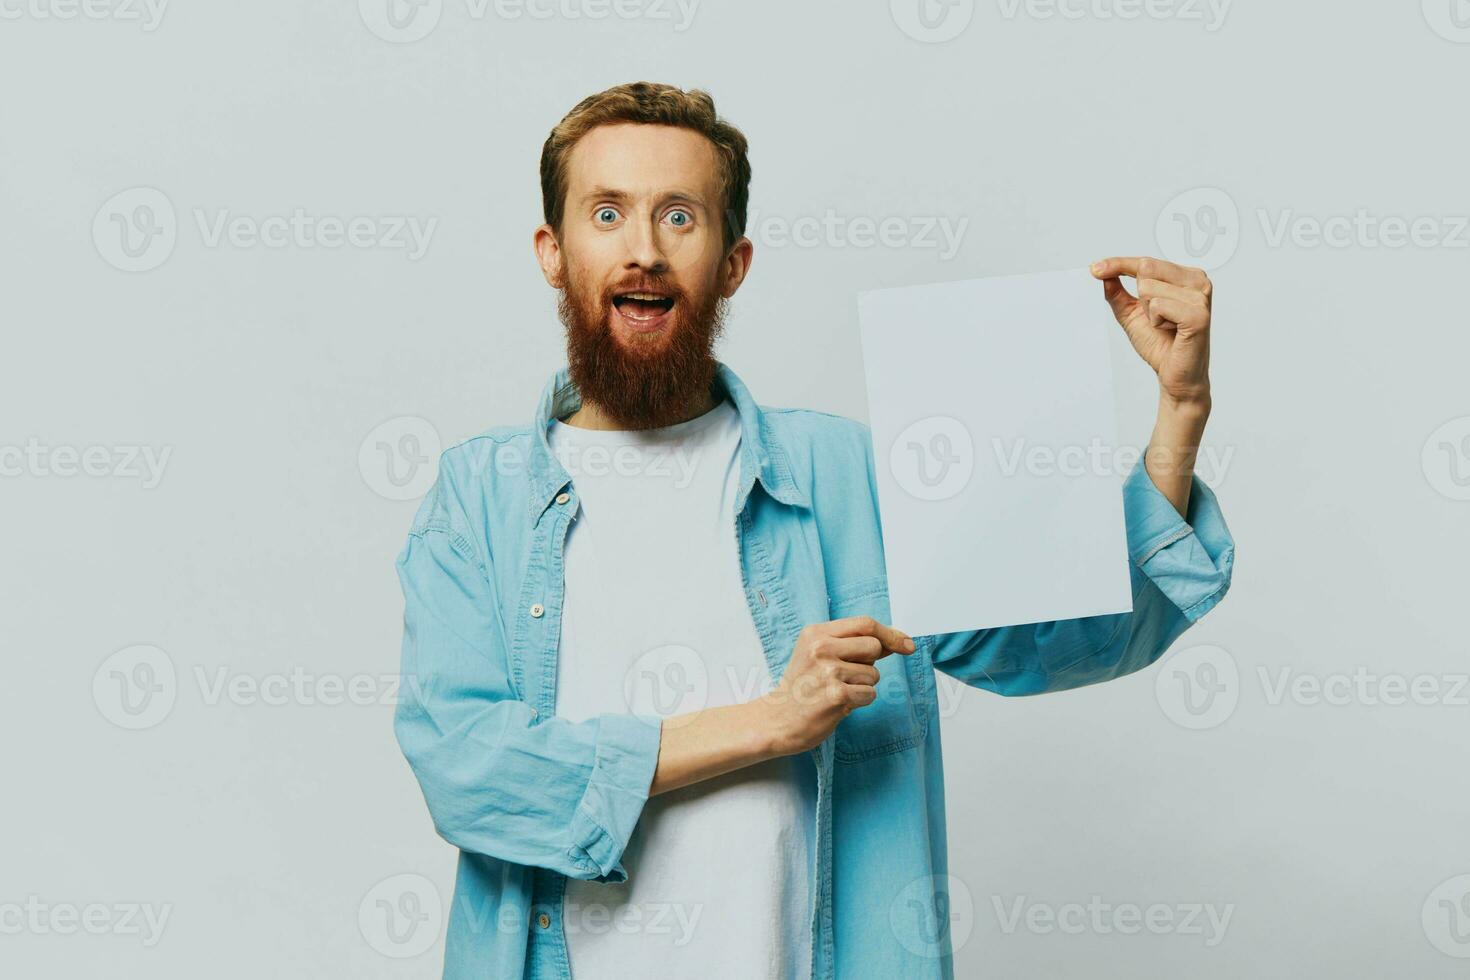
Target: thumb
x=1119, y=299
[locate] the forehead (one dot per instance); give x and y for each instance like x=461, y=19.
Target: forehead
x=643, y=159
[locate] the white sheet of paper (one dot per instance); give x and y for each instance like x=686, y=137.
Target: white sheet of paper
x=994, y=438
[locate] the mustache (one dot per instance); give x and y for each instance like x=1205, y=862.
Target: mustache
x=641, y=386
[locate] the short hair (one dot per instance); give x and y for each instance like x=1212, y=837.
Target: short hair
x=649, y=103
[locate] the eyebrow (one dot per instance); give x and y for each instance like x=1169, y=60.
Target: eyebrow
x=612, y=194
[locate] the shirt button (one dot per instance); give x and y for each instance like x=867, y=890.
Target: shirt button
x=543, y=920
x=537, y=610
x=535, y=713
x=562, y=498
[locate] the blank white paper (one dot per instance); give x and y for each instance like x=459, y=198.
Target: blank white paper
x=994, y=439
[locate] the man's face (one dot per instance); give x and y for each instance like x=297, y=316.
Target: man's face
x=643, y=270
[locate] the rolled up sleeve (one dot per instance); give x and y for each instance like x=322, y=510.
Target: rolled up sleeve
x=627, y=752
x=498, y=779
x=1189, y=559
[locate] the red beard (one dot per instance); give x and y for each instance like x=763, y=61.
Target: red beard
x=647, y=382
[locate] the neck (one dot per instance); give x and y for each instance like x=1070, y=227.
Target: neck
x=592, y=416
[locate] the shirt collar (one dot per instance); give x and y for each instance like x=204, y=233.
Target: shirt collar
x=761, y=456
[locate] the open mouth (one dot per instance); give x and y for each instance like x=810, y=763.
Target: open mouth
x=643, y=310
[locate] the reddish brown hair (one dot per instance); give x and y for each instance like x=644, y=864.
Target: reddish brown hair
x=654, y=104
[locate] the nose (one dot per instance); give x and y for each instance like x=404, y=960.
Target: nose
x=645, y=251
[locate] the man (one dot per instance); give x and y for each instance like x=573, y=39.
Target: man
x=656, y=702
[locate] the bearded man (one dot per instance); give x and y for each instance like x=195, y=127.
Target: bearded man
x=653, y=696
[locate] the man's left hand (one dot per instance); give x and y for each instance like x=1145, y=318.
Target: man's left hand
x=1168, y=322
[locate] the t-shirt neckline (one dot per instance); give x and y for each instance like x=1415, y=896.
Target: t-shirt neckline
x=562, y=431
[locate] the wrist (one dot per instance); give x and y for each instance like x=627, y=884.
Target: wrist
x=1193, y=406
x=767, y=736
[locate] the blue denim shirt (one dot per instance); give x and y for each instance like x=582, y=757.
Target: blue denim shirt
x=532, y=799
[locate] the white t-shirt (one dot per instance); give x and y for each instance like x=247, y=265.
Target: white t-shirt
x=656, y=622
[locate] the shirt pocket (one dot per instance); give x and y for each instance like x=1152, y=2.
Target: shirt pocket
x=899, y=718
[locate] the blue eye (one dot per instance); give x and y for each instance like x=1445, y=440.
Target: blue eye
x=607, y=216
x=680, y=218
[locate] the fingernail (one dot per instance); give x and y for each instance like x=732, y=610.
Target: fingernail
x=1097, y=268
x=909, y=645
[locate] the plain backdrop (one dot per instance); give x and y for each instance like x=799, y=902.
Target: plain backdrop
x=246, y=792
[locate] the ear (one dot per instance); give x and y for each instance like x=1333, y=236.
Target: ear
x=737, y=264
x=548, y=255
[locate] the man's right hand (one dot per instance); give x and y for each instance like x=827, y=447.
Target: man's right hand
x=830, y=674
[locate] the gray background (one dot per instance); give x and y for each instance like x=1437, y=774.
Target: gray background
x=1333, y=832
